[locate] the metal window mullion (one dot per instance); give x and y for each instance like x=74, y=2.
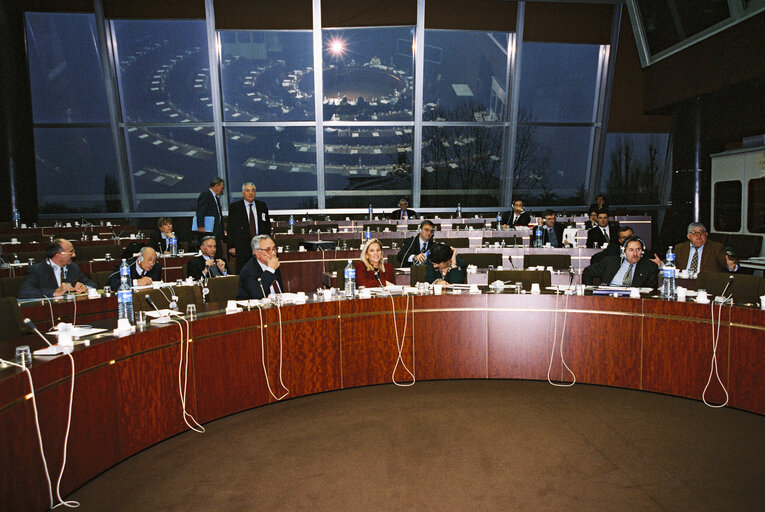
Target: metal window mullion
x=666, y=190
x=514, y=92
x=637, y=28
x=605, y=88
x=318, y=97
x=106, y=50
x=215, y=94
x=419, y=75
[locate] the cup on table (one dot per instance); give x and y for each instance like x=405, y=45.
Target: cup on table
x=140, y=320
x=762, y=302
x=535, y=289
x=191, y=312
x=635, y=293
x=438, y=289
x=701, y=296
x=107, y=291
x=580, y=290
x=681, y=293
x=108, y=256
x=518, y=287
x=31, y=261
x=181, y=251
x=24, y=356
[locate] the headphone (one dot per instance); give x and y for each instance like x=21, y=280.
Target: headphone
x=140, y=258
x=633, y=238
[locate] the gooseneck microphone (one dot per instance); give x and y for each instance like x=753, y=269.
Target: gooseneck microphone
x=163, y=318
x=50, y=350
x=260, y=283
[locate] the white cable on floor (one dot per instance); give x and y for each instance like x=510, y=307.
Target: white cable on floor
x=552, y=352
x=400, y=344
x=183, y=376
x=263, y=354
x=714, y=366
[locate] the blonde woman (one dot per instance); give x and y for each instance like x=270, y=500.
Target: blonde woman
x=370, y=266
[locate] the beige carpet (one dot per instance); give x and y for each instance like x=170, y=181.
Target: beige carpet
x=454, y=445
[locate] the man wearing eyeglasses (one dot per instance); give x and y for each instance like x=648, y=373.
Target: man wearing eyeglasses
x=260, y=277
x=699, y=254
x=56, y=275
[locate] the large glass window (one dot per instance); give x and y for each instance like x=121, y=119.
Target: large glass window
x=367, y=165
x=368, y=74
x=465, y=75
x=267, y=75
x=64, y=69
x=280, y=161
x=163, y=71
x=633, y=167
x=76, y=170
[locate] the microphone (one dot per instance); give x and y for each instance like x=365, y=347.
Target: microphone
x=730, y=281
x=260, y=282
x=510, y=257
x=50, y=350
x=163, y=318
x=63, y=274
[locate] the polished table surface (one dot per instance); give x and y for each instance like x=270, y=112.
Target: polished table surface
x=126, y=394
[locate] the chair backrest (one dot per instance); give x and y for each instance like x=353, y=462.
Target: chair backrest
x=91, y=252
x=9, y=286
x=466, y=225
x=745, y=288
x=186, y=295
x=10, y=319
x=223, y=288
x=527, y=277
x=483, y=259
x=455, y=242
x=288, y=242
x=556, y=261
x=337, y=266
x=746, y=246
x=101, y=277
x=392, y=259
x=417, y=275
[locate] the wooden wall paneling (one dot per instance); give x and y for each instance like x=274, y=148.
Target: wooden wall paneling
x=520, y=340
x=369, y=341
x=311, y=348
x=602, y=341
x=227, y=365
x=148, y=398
x=88, y=311
x=677, y=349
x=747, y=360
x=450, y=337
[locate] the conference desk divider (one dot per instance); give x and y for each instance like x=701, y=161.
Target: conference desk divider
x=126, y=394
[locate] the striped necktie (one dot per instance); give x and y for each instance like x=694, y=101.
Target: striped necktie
x=627, y=281
x=694, y=262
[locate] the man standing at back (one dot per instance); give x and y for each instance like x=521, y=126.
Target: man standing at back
x=208, y=205
x=247, y=218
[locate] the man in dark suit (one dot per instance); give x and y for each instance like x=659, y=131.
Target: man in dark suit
x=403, y=212
x=260, y=276
x=206, y=265
x=603, y=233
x=699, y=254
x=144, y=269
x=614, y=249
x=415, y=248
x=208, y=205
x=56, y=275
x=552, y=232
x=517, y=217
x=246, y=219
x=633, y=271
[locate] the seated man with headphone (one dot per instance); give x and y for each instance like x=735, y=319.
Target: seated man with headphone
x=144, y=269
x=632, y=270
x=415, y=249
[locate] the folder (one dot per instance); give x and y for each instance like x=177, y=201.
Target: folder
x=209, y=223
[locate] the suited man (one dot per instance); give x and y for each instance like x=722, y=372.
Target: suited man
x=415, y=248
x=144, y=269
x=206, y=265
x=403, y=212
x=261, y=275
x=699, y=254
x=246, y=219
x=56, y=275
x=633, y=270
x=603, y=233
x=614, y=249
x=592, y=214
x=517, y=217
x=552, y=232
x=208, y=205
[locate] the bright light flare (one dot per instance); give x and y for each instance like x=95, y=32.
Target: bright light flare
x=336, y=47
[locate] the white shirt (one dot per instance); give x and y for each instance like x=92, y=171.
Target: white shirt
x=56, y=271
x=266, y=268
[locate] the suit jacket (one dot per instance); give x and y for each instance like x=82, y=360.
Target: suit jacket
x=207, y=206
x=454, y=276
x=196, y=265
x=523, y=220
x=613, y=249
x=41, y=280
x=238, y=229
x=411, y=246
x=249, y=288
x=158, y=243
x=712, y=258
x=645, y=274
x=114, y=279
x=595, y=236
x=559, y=228
x=396, y=214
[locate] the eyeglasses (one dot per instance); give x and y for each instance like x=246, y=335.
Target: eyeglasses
x=268, y=249
x=697, y=233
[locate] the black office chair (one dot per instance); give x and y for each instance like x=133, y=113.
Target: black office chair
x=556, y=261
x=455, y=242
x=9, y=286
x=482, y=260
x=745, y=289
x=223, y=288
x=11, y=321
x=417, y=275
x=527, y=277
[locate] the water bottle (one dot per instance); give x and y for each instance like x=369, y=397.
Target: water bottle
x=668, y=273
x=369, y=233
x=350, y=280
x=16, y=219
x=459, y=210
x=292, y=224
x=499, y=220
x=370, y=212
x=538, y=237
x=173, y=244
x=125, y=294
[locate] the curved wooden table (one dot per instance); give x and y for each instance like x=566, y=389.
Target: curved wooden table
x=126, y=390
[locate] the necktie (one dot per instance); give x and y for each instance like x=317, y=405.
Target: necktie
x=217, y=203
x=403, y=215
x=627, y=281
x=694, y=262
x=424, y=246
x=605, y=235
x=214, y=270
x=253, y=224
